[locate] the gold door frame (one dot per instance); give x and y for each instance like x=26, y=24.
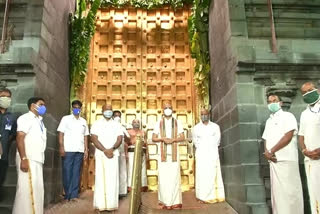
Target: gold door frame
x=139, y=60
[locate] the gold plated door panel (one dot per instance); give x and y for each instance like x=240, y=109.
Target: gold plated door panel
x=139, y=60
x=167, y=77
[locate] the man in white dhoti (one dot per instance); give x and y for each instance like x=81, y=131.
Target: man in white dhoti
x=206, y=138
x=131, y=141
x=168, y=132
x=123, y=177
x=309, y=139
x=106, y=134
x=280, y=136
x=31, y=144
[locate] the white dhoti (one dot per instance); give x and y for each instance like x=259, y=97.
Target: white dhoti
x=169, y=182
x=143, y=170
x=106, y=190
x=30, y=193
x=209, y=184
x=312, y=168
x=286, y=189
x=122, y=172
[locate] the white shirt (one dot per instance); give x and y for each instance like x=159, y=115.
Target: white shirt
x=36, y=135
x=74, y=131
x=107, y=132
x=310, y=127
x=168, y=125
x=121, y=147
x=206, y=139
x=277, y=126
x=124, y=130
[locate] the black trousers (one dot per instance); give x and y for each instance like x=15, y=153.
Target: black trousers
x=3, y=171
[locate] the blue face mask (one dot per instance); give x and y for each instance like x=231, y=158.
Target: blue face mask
x=108, y=113
x=41, y=110
x=76, y=111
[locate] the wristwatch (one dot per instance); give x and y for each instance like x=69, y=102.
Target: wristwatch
x=24, y=158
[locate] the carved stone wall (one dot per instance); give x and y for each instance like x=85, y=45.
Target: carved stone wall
x=244, y=71
x=37, y=64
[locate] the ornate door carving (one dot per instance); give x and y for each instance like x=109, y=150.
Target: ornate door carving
x=139, y=60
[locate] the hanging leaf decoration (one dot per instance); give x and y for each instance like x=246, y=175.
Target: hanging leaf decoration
x=83, y=29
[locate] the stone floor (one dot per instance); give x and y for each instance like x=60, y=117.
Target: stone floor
x=149, y=206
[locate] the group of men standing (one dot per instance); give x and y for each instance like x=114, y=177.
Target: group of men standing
x=115, y=150
x=281, y=150
x=107, y=135
x=111, y=140
x=113, y=145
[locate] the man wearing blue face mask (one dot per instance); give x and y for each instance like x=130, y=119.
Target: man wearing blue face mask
x=73, y=148
x=31, y=145
x=280, y=142
x=309, y=140
x=106, y=134
x=8, y=126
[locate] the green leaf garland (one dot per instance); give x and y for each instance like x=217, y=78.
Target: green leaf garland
x=83, y=28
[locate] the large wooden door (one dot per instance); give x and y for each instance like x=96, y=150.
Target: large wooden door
x=139, y=60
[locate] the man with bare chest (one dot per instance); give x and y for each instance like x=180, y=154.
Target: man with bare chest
x=134, y=132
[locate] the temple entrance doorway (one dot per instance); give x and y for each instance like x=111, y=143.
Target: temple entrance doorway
x=139, y=60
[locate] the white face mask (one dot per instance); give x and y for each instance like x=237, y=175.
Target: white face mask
x=167, y=112
x=108, y=113
x=5, y=102
x=117, y=119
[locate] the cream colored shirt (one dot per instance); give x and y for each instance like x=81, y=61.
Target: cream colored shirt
x=310, y=127
x=206, y=139
x=74, y=131
x=107, y=132
x=36, y=135
x=121, y=147
x=276, y=127
x=168, y=125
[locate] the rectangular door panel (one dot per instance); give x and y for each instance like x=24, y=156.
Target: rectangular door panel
x=139, y=60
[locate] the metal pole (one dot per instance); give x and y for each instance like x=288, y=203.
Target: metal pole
x=4, y=26
x=273, y=31
x=135, y=195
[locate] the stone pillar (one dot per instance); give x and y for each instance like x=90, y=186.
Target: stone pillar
x=243, y=72
x=37, y=64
